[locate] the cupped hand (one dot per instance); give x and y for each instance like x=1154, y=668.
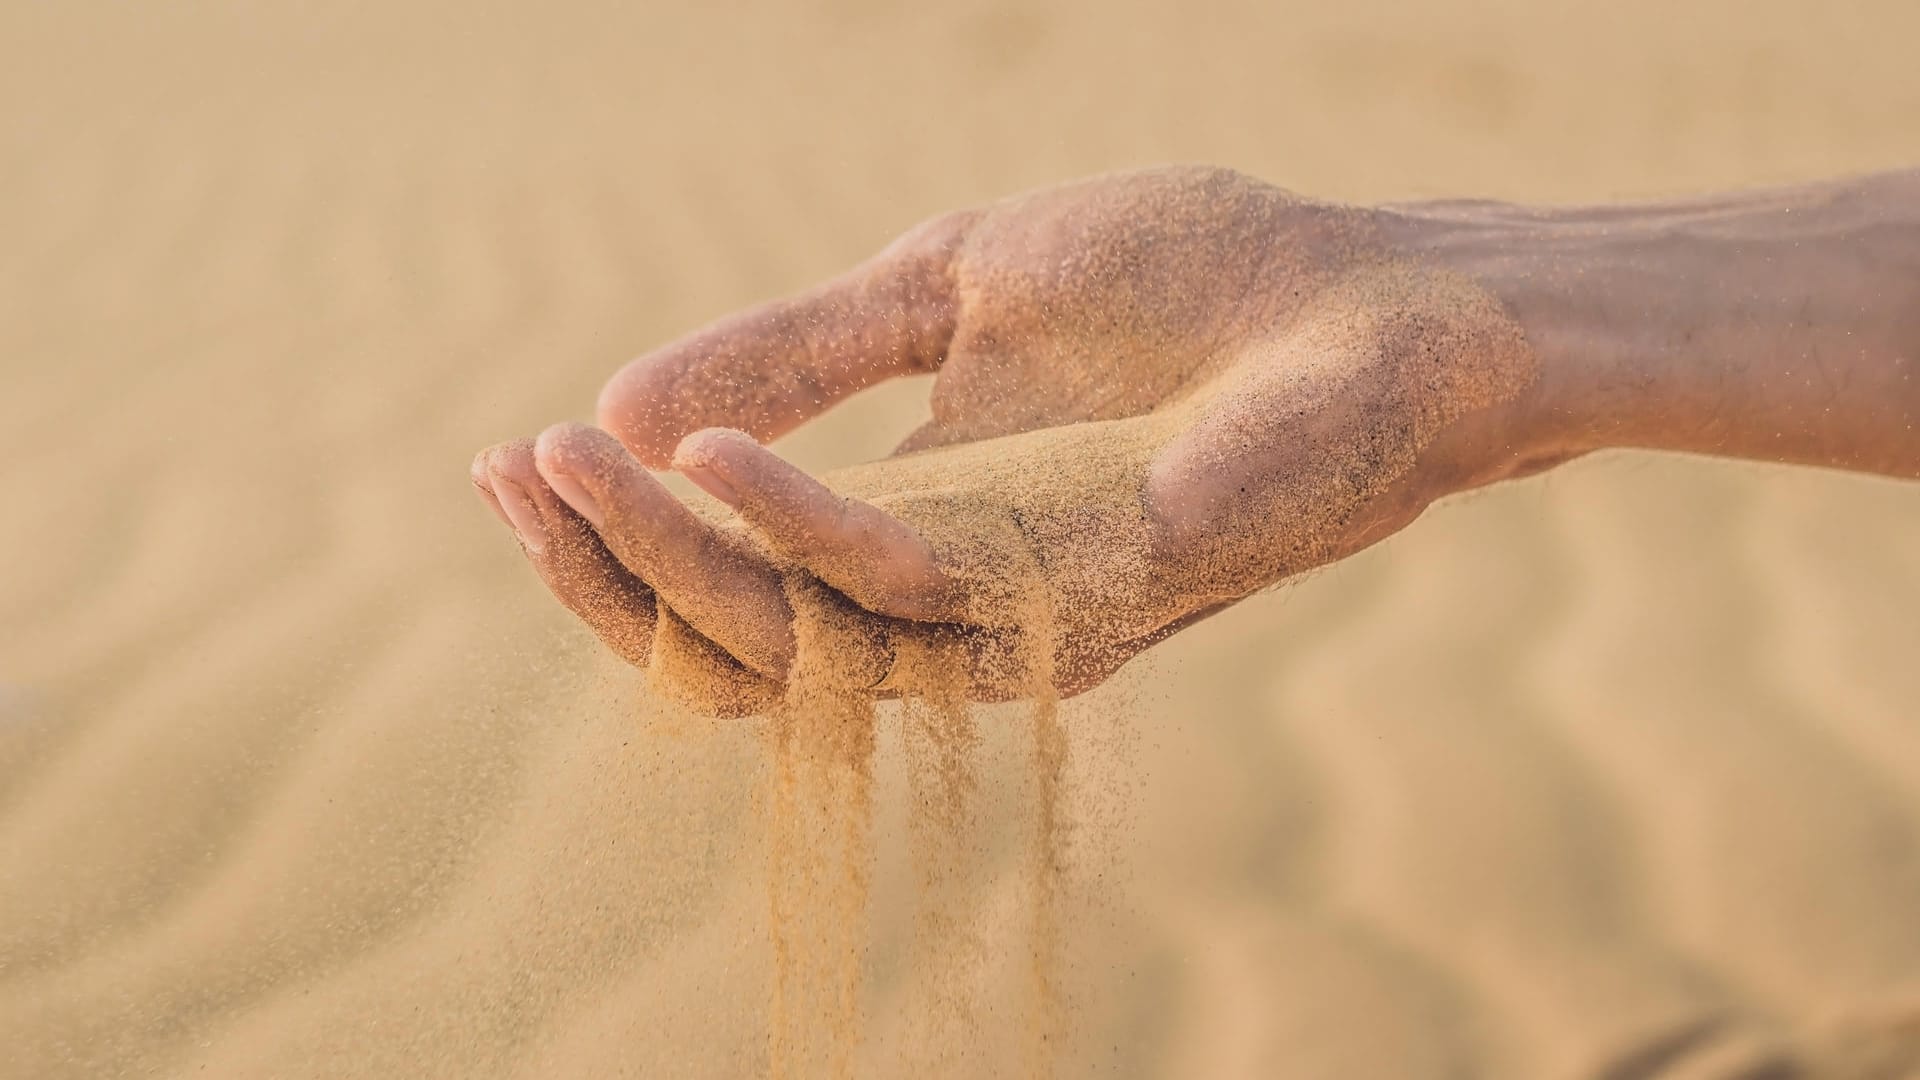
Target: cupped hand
x=1155, y=394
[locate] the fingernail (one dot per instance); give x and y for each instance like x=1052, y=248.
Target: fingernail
x=575, y=494
x=711, y=483
x=493, y=503
x=526, y=519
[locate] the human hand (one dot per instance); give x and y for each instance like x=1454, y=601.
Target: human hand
x=1155, y=393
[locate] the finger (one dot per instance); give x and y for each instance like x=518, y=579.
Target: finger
x=506, y=497
x=483, y=484
x=731, y=595
x=770, y=369
x=568, y=556
x=878, y=561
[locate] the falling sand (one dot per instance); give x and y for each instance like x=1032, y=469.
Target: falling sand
x=820, y=737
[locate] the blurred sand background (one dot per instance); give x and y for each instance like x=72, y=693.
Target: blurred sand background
x=1611, y=774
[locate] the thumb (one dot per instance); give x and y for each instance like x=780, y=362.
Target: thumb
x=771, y=368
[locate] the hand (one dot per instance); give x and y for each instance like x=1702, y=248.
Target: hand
x=1156, y=393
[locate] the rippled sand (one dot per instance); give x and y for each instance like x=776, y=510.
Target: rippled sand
x=1611, y=774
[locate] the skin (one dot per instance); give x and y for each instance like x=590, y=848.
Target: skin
x=1264, y=363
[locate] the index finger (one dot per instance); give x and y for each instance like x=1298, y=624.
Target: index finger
x=771, y=368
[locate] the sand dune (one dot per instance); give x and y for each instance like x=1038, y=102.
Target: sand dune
x=1615, y=773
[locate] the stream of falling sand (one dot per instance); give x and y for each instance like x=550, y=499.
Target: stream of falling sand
x=821, y=740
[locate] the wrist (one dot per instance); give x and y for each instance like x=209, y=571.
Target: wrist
x=1706, y=326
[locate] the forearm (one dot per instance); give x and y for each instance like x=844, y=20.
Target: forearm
x=1779, y=326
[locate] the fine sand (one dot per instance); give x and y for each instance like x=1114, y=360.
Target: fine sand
x=1610, y=774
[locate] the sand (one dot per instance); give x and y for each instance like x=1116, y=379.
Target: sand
x=1613, y=773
